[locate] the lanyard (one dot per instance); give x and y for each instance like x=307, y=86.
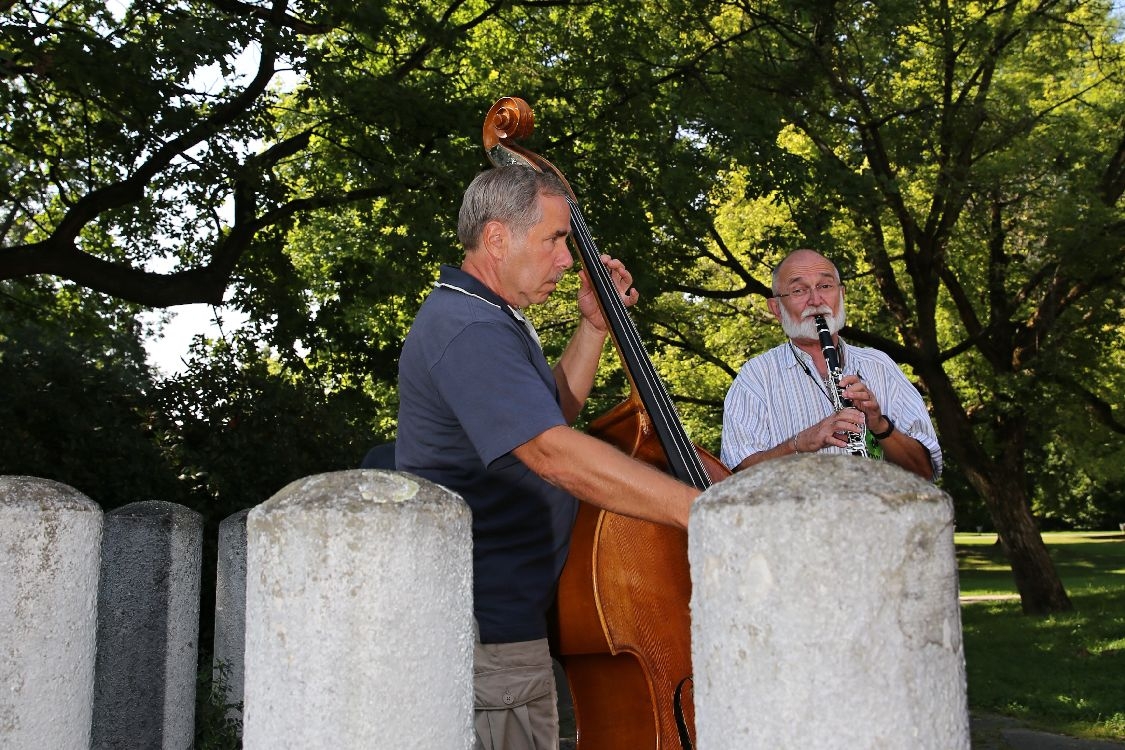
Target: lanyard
x=820, y=384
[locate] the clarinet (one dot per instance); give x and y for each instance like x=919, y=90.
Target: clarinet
x=856, y=443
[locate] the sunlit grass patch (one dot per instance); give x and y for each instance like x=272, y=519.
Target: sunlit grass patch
x=1061, y=672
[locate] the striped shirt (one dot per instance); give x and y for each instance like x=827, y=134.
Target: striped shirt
x=774, y=397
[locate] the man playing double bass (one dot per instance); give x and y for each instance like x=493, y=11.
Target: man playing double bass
x=483, y=413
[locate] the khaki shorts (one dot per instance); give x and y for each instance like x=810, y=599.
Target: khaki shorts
x=514, y=697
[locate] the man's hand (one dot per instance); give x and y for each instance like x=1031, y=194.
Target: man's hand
x=856, y=391
x=588, y=301
x=829, y=431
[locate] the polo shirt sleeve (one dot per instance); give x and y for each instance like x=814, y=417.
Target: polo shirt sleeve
x=499, y=386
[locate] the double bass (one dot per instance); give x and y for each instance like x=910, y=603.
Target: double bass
x=622, y=626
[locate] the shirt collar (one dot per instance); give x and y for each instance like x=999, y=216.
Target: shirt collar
x=457, y=280
x=454, y=276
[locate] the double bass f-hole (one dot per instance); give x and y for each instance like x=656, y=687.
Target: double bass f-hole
x=622, y=628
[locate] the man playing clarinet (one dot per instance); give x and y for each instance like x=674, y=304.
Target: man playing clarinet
x=789, y=400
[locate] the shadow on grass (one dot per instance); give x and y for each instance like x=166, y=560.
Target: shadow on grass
x=1060, y=673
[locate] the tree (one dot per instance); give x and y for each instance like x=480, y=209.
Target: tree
x=119, y=158
x=966, y=163
x=129, y=171
x=238, y=431
x=962, y=161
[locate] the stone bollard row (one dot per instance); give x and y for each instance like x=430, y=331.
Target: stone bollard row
x=825, y=610
x=359, y=629
x=101, y=623
x=50, y=535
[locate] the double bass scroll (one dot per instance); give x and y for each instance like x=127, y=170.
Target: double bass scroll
x=622, y=629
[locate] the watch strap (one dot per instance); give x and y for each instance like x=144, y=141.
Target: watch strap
x=889, y=430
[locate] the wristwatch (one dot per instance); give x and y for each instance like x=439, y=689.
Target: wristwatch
x=890, y=429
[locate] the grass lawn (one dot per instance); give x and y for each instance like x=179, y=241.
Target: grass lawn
x=1061, y=673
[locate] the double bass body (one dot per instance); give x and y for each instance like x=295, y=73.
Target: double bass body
x=623, y=630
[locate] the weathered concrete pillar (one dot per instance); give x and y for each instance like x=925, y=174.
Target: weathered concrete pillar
x=825, y=610
x=50, y=539
x=230, y=610
x=148, y=627
x=359, y=615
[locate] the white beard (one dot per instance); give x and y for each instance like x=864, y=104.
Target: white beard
x=805, y=328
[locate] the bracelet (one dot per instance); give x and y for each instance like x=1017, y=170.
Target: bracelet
x=887, y=434
x=793, y=442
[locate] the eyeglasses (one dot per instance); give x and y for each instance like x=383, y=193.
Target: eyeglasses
x=799, y=293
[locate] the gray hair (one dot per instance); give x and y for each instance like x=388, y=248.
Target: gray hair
x=508, y=194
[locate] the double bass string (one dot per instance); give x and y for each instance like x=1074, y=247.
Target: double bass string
x=614, y=308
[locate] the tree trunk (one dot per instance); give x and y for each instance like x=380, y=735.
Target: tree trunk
x=1041, y=591
x=1001, y=482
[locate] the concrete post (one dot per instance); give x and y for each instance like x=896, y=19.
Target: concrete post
x=825, y=610
x=148, y=628
x=230, y=610
x=50, y=538
x=359, y=615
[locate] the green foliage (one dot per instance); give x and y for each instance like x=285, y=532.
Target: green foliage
x=239, y=431
x=1059, y=672
x=224, y=435
x=129, y=111
x=960, y=161
x=215, y=727
x=77, y=404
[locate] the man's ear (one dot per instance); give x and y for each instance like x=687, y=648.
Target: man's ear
x=774, y=304
x=495, y=238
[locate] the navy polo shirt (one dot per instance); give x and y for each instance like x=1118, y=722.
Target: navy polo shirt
x=474, y=385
